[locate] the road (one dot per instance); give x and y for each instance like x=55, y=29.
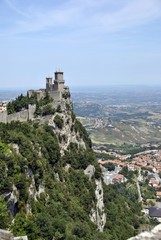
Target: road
x=139, y=178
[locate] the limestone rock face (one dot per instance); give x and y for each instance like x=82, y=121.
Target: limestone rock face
x=12, y=199
x=15, y=147
x=154, y=234
x=89, y=171
x=67, y=133
x=33, y=193
x=6, y=235
x=98, y=215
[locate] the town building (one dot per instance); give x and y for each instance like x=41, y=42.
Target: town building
x=155, y=212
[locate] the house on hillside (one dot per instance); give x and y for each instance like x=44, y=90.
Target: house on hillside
x=119, y=178
x=153, y=182
x=155, y=212
x=158, y=194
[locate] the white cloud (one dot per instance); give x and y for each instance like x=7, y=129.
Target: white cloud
x=135, y=13
x=12, y=5
x=86, y=15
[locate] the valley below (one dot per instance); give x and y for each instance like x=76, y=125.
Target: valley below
x=117, y=116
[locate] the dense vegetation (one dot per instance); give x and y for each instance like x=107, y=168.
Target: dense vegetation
x=123, y=211
x=22, y=102
x=53, y=197
x=30, y=157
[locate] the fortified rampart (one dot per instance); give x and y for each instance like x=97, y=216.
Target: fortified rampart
x=3, y=117
x=21, y=116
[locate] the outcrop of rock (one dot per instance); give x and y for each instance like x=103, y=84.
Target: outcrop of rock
x=66, y=133
x=154, y=234
x=98, y=215
x=47, y=161
x=6, y=235
x=89, y=171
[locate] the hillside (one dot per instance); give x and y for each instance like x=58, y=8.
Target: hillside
x=42, y=182
x=51, y=185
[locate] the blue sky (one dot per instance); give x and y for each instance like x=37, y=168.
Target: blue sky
x=95, y=42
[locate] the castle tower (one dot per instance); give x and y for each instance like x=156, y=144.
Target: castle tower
x=59, y=82
x=49, y=84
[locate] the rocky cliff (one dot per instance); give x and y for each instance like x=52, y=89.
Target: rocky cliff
x=45, y=192
x=51, y=184
x=154, y=234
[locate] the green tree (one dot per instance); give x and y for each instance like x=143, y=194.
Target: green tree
x=58, y=121
x=38, y=110
x=110, y=166
x=47, y=110
x=10, y=108
x=23, y=225
x=5, y=218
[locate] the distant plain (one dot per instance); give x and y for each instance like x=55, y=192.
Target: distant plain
x=121, y=114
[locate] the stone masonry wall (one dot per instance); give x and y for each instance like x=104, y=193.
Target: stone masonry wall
x=21, y=116
x=3, y=117
x=55, y=95
x=31, y=110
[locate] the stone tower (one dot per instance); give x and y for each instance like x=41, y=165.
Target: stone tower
x=59, y=81
x=49, y=84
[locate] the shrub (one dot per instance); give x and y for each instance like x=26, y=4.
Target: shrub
x=58, y=121
x=47, y=110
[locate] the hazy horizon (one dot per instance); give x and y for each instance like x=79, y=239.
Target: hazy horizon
x=89, y=87
x=116, y=91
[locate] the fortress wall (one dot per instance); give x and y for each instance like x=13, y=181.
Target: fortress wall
x=23, y=116
x=19, y=116
x=26, y=115
x=56, y=104
x=3, y=117
x=55, y=95
x=31, y=111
